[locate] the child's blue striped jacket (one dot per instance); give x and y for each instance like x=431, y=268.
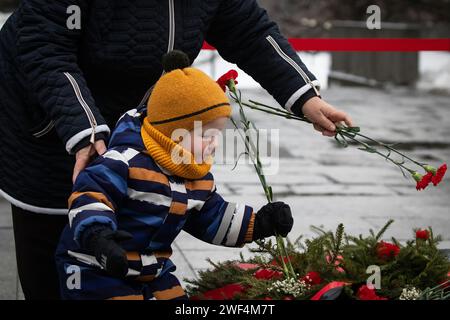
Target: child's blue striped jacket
x=126, y=189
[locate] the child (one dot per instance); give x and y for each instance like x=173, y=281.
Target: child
x=129, y=205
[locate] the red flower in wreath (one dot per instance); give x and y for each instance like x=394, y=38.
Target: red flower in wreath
x=422, y=234
x=223, y=80
x=267, y=274
x=439, y=174
x=368, y=293
x=313, y=278
x=386, y=250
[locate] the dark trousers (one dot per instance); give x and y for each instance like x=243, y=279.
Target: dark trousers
x=36, y=237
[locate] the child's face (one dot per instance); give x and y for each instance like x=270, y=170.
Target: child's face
x=202, y=141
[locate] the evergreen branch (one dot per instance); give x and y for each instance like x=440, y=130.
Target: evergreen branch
x=383, y=230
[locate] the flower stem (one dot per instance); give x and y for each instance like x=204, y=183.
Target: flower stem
x=339, y=130
x=342, y=129
x=254, y=154
x=377, y=152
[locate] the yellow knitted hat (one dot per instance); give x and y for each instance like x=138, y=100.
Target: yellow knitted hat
x=184, y=95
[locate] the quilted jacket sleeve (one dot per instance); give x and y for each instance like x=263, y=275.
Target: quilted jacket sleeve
x=47, y=53
x=221, y=222
x=243, y=34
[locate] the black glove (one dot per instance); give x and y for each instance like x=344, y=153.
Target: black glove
x=274, y=218
x=103, y=243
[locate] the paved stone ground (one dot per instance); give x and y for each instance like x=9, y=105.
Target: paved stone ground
x=324, y=184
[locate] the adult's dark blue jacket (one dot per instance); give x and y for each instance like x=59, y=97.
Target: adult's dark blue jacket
x=63, y=85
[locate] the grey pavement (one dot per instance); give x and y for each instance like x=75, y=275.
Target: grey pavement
x=324, y=184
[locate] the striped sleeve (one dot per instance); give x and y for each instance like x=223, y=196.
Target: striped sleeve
x=97, y=192
x=221, y=223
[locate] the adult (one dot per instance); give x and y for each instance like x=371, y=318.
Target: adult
x=63, y=86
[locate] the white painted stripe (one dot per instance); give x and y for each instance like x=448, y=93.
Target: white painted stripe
x=148, y=260
x=31, y=208
x=72, y=142
x=195, y=204
x=236, y=224
x=97, y=206
x=224, y=224
x=297, y=94
x=150, y=197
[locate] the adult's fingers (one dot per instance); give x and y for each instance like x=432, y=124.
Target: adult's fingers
x=80, y=164
x=348, y=121
x=339, y=116
x=100, y=147
x=324, y=132
x=325, y=123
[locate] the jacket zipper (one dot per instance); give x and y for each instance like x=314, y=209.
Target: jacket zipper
x=171, y=26
x=83, y=103
x=170, y=45
x=289, y=60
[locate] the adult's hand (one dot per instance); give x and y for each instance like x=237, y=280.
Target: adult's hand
x=324, y=116
x=83, y=156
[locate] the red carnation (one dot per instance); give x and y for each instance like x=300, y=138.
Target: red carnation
x=424, y=182
x=439, y=174
x=386, y=250
x=368, y=293
x=223, y=80
x=422, y=234
x=312, y=277
x=267, y=274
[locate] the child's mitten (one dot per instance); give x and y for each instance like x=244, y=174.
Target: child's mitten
x=103, y=242
x=274, y=218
